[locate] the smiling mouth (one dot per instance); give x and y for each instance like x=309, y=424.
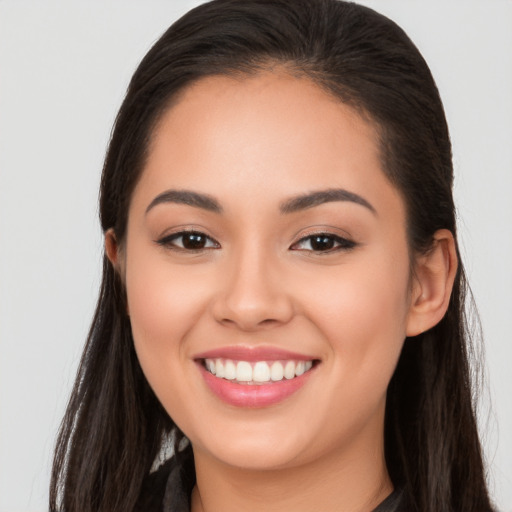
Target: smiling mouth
x=256, y=372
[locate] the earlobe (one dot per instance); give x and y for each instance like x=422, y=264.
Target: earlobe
x=433, y=282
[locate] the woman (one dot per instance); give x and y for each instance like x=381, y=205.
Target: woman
x=281, y=283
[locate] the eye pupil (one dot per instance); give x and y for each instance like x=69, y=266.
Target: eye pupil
x=194, y=241
x=322, y=243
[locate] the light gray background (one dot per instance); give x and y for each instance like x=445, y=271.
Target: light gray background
x=64, y=67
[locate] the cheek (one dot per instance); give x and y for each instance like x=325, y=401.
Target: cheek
x=363, y=314
x=164, y=304
x=158, y=304
x=164, y=299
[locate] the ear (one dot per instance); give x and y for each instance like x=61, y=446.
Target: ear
x=112, y=248
x=113, y=252
x=434, y=275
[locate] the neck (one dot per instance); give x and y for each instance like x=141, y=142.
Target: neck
x=354, y=480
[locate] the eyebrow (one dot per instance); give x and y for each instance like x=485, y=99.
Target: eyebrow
x=292, y=205
x=187, y=197
x=319, y=197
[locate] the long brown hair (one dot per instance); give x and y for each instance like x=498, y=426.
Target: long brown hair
x=114, y=424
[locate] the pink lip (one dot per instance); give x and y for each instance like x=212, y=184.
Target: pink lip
x=252, y=354
x=253, y=395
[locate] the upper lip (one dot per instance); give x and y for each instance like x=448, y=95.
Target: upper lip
x=252, y=354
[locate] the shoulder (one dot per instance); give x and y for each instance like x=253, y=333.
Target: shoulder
x=169, y=487
x=395, y=502
x=153, y=488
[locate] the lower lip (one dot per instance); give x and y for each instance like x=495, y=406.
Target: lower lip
x=253, y=395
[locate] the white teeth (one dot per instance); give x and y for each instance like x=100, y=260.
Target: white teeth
x=243, y=371
x=277, y=371
x=257, y=372
x=289, y=370
x=261, y=372
x=219, y=368
x=210, y=364
x=230, y=370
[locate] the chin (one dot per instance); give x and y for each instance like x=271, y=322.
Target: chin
x=256, y=447
x=254, y=457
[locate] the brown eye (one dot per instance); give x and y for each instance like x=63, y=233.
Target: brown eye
x=323, y=242
x=194, y=241
x=189, y=241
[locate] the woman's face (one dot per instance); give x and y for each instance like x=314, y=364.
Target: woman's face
x=266, y=245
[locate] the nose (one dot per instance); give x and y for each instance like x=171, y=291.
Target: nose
x=253, y=293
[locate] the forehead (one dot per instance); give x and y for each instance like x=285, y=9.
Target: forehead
x=270, y=133
x=264, y=106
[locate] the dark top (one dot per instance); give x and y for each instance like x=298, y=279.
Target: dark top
x=170, y=487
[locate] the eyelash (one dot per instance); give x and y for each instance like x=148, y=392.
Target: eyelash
x=343, y=244
x=169, y=241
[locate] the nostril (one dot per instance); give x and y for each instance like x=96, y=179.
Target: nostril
x=248, y=325
x=269, y=321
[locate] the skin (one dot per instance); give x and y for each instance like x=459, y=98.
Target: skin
x=251, y=144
